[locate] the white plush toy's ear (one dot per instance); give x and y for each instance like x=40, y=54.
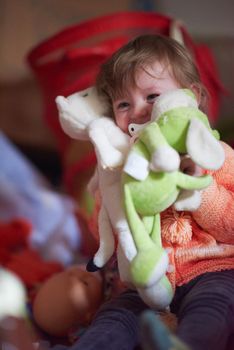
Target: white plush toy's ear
x=173, y=99
x=204, y=149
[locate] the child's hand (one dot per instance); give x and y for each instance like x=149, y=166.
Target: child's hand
x=187, y=166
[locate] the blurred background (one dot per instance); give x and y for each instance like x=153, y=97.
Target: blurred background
x=26, y=23
x=33, y=214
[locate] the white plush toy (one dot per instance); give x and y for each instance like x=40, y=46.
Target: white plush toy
x=82, y=117
x=12, y=295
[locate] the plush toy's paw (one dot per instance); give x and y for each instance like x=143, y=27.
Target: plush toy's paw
x=165, y=158
x=111, y=160
x=159, y=295
x=136, y=166
x=188, y=200
x=91, y=267
x=148, y=266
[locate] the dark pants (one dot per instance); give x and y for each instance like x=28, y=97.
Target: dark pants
x=204, y=308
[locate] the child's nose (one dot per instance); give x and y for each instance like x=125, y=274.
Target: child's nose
x=142, y=113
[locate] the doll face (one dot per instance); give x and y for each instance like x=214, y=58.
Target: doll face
x=135, y=106
x=85, y=290
x=66, y=300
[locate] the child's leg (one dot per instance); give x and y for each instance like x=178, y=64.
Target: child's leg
x=206, y=311
x=115, y=326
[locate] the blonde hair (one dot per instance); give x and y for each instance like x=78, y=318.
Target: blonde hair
x=119, y=71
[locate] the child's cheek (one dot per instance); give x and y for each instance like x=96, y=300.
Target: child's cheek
x=122, y=123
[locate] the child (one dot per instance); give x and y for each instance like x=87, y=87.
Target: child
x=203, y=274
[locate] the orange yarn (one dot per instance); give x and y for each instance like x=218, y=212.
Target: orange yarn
x=176, y=227
x=203, y=241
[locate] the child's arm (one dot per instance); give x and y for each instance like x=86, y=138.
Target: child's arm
x=216, y=212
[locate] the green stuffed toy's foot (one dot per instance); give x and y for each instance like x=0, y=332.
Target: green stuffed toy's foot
x=156, y=336
x=148, y=266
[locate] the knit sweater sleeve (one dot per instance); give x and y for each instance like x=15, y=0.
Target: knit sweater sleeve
x=216, y=212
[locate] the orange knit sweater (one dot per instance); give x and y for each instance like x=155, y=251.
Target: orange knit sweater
x=203, y=241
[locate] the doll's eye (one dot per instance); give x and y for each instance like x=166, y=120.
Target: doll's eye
x=152, y=97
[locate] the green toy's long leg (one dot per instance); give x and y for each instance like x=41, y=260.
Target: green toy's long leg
x=150, y=262
x=139, y=232
x=148, y=222
x=153, y=227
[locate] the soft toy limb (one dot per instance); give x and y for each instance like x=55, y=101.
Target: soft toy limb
x=107, y=242
x=159, y=295
x=157, y=292
x=110, y=142
x=151, y=261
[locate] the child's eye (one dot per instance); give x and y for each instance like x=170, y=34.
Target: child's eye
x=123, y=106
x=152, y=97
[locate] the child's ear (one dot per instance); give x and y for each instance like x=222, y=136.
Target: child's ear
x=197, y=92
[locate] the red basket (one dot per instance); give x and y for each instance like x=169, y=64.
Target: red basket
x=70, y=60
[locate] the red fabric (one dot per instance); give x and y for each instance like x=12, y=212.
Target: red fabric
x=70, y=60
x=30, y=267
x=13, y=237
x=16, y=255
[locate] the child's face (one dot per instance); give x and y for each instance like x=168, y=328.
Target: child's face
x=136, y=104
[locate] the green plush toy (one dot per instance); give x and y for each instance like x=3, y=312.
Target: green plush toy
x=152, y=180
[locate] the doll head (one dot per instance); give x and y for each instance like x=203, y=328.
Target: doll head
x=67, y=300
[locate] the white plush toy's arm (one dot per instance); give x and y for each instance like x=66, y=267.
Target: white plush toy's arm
x=106, y=240
x=110, y=142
